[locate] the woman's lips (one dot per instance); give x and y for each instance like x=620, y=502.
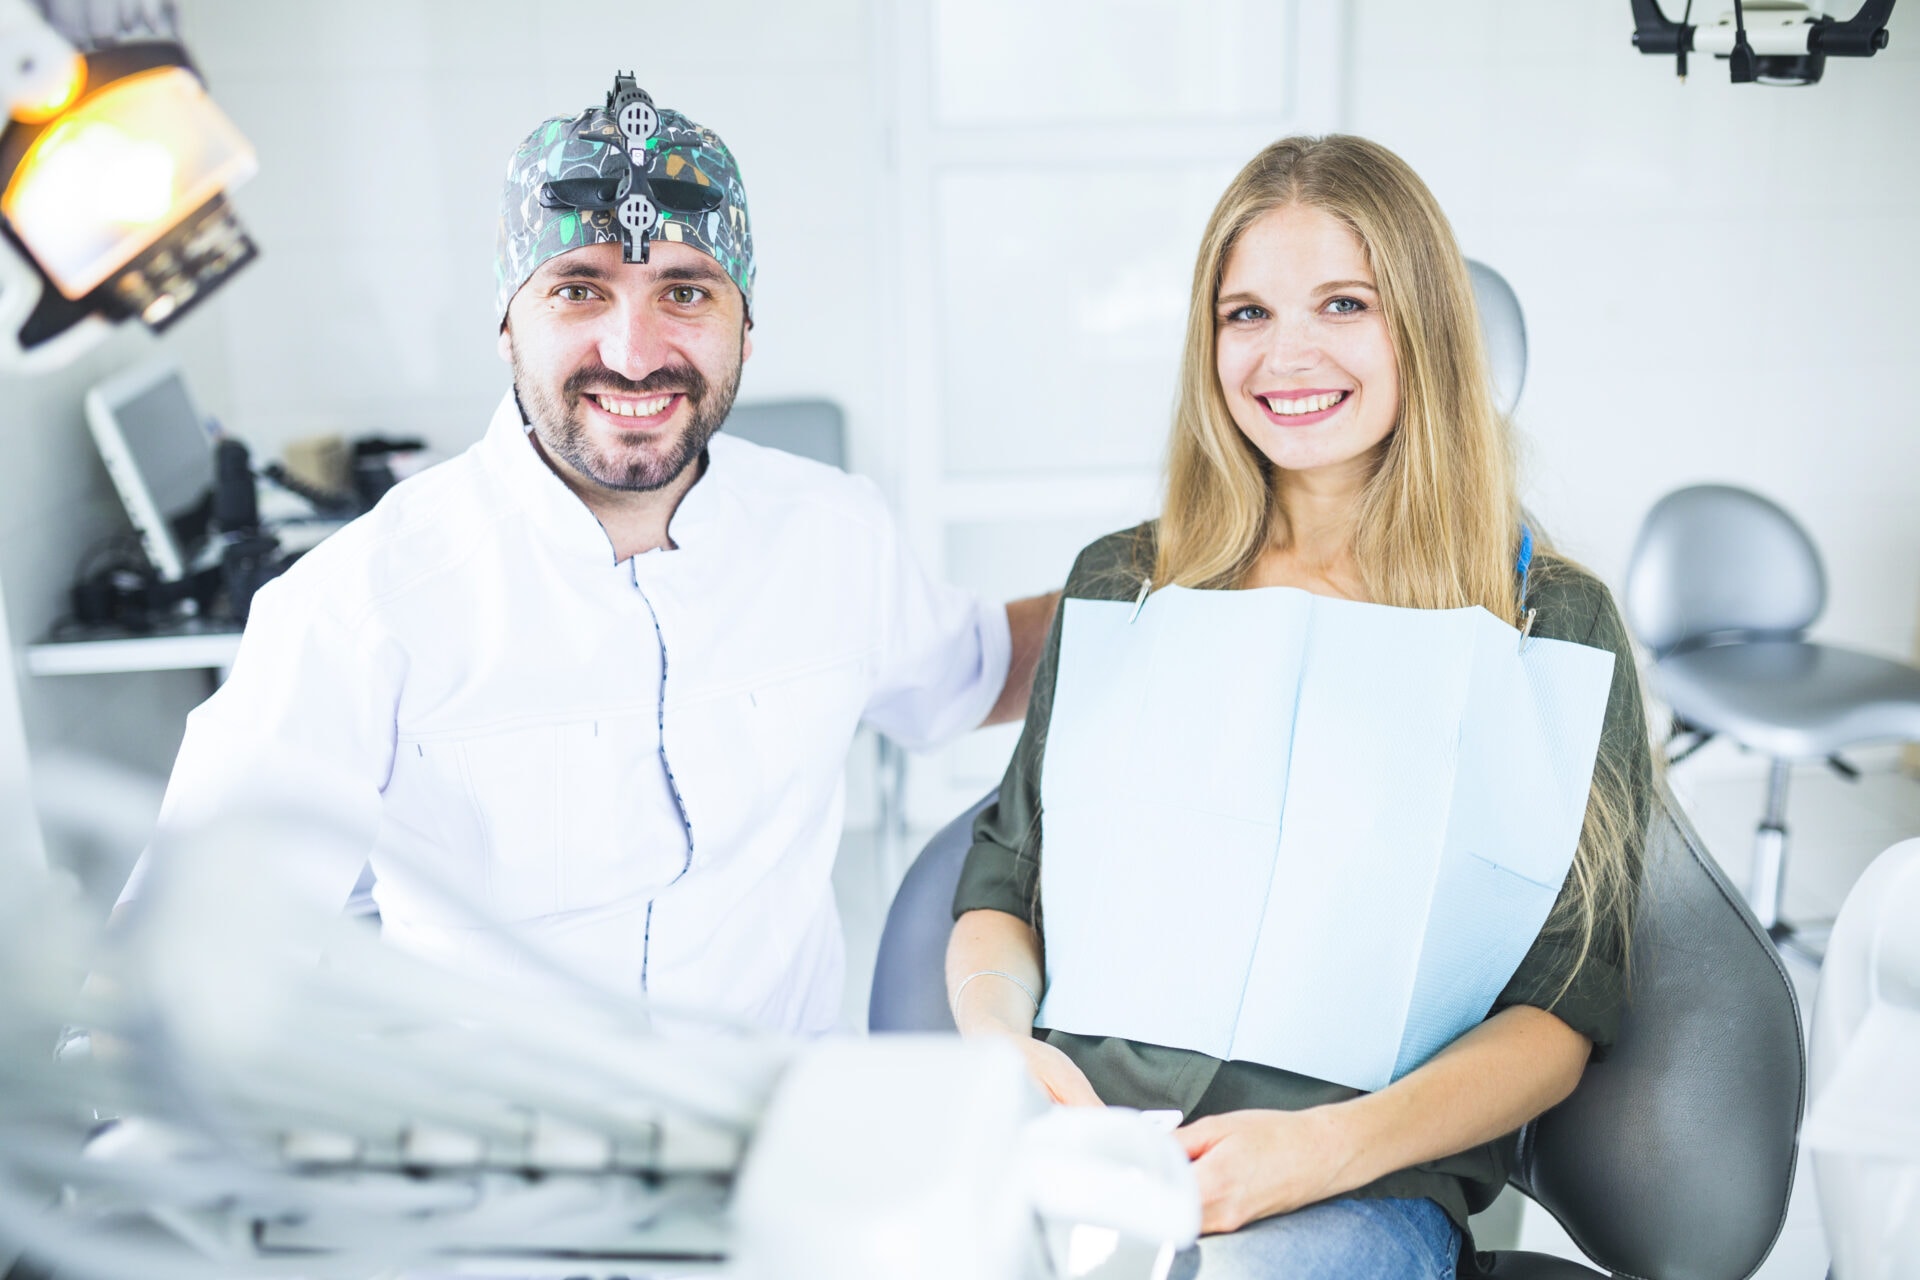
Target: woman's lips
x=1304, y=407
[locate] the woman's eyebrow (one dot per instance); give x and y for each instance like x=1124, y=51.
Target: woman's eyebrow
x=1235, y=299
x=1332, y=285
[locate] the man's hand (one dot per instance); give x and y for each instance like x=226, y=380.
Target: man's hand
x=1254, y=1164
x=1027, y=621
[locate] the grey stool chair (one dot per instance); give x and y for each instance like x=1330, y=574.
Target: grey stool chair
x=1674, y=1158
x=1722, y=588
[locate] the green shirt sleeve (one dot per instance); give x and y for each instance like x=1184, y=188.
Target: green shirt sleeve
x=1002, y=871
x=1573, y=605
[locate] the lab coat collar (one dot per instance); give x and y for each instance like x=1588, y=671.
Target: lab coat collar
x=700, y=518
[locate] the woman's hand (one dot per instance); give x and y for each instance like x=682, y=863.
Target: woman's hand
x=1064, y=1081
x=993, y=970
x=1254, y=1164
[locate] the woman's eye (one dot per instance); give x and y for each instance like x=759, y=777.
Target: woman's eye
x=1346, y=306
x=687, y=295
x=1241, y=315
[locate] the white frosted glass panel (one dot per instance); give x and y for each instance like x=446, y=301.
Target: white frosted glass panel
x=1064, y=304
x=1003, y=559
x=975, y=764
x=1109, y=60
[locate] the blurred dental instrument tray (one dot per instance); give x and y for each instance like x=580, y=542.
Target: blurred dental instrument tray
x=160, y=456
x=190, y=495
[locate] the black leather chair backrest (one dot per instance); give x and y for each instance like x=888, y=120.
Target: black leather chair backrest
x=1674, y=1158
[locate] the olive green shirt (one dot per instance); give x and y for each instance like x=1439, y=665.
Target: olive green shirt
x=1002, y=873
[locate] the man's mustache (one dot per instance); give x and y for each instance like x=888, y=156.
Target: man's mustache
x=683, y=378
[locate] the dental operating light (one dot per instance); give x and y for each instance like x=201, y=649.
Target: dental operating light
x=114, y=169
x=1780, y=42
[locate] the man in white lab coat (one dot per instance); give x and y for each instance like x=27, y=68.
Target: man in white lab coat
x=598, y=675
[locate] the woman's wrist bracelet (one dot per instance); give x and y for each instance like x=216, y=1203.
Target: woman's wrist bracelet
x=954, y=1005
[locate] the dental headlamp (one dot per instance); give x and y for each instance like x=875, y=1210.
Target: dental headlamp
x=114, y=169
x=1780, y=42
x=630, y=181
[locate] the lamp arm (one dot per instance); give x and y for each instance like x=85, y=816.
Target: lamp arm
x=35, y=59
x=1861, y=36
x=1655, y=32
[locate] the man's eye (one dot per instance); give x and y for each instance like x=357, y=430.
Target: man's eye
x=573, y=293
x=687, y=295
x=1344, y=306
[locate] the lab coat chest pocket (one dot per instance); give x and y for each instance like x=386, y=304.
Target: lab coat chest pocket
x=801, y=723
x=475, y=812
x=618, y=829
x=557, y=816
x=512, y=778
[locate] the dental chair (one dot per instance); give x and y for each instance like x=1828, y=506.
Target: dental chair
x=1675, y=1155
x=1503, y=327
x=1722, y=589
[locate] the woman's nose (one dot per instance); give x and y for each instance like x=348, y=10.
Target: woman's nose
x=1293, y=347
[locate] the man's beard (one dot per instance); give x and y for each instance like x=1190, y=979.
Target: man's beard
x=560, y=423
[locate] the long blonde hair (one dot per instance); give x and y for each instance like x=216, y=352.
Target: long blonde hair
x=1438, y=522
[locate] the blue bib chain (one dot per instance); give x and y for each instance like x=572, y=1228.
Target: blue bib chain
x=1523, y=565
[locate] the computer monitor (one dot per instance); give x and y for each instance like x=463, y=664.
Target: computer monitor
x=157, y=450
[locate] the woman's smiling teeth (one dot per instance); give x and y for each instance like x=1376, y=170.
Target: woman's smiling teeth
x=627, y=407
x=1306, y=404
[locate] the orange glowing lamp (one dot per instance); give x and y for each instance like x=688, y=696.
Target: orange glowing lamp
x=119, y=169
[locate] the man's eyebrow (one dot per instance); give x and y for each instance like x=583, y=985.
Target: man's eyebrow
x=695, y=271
x=580, y=271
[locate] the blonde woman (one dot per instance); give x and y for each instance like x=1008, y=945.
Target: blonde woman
x=1335, y=432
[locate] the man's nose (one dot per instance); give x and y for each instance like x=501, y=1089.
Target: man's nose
x=631, y=343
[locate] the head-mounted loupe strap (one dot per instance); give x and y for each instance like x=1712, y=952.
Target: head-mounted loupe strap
x=637, y=196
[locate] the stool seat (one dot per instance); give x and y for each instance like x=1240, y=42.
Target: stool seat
x=1792, y=699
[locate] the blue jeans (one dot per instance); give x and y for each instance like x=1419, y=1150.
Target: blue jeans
x=1332, y=1240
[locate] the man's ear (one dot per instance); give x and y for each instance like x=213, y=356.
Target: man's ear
x=505, y=348
x=746, y=339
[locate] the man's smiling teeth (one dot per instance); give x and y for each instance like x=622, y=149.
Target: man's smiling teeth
x=1310, y=404
x=634, y=408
